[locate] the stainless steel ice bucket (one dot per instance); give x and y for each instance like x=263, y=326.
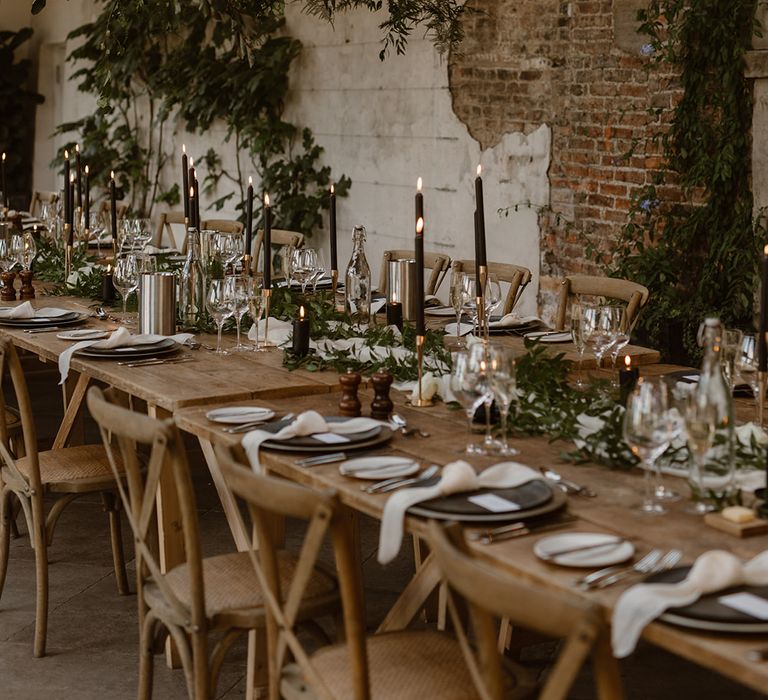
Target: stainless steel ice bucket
x=157, y=303
x=401, y=285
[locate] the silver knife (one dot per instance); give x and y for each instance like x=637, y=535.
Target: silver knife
x=44, y=330
x=156, y=361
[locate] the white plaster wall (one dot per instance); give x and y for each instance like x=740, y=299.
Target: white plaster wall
x=383, y=124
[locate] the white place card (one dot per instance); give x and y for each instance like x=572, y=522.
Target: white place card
x=691, y=377
x=748, y=603
x=494, y=503
x=330, y=438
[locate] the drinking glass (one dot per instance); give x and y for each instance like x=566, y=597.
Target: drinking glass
x=621, y=334
x=470, y=290
x=700, y=427
x=504, y=386
x=649, y=427
x=747, y=366
x=28, y=250
x=255, y=307
x=320, y=268
x=220, y=304
x=468, y=388
x=126, y=278
x=480, y=360
x=142, y=232
x=239, y=307
x=458, y=297
x=731, y=343
x=303, y=266
x=7, y=259
x=16, y=249
x=578, y=333
x=600, y=327
x=492, y=298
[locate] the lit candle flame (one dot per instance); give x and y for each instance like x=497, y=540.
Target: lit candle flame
x=420, y=226
x=394, y=297
x=418, y=185
x=250, y=181
x=109, y=268
x=87, y=170
x=266, y=200
x=627, y=361
x=191, y=191
x=66, y=154
x=191, y=162
x=3, y=156
x=479, y=170
x=34, y=228
x=183, y=147
x=71, y=178
x=332, y=188
x=301, y=312
x=77, y=148
x=765, y=250
x=112, y=174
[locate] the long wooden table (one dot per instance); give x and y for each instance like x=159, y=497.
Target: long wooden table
x=614, y=510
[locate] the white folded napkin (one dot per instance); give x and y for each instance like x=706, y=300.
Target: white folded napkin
x=457, y=477
x=119, y=339
x=26, y=310
x=713, y=571
x=511, y=320
x=280, y=332
x=307, y=423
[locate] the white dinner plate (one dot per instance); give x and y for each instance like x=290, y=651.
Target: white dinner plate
x=236, y=415
x=83, y=334
x=440, y=311
x=611, y=553
x=378, y=467
x=464, y=329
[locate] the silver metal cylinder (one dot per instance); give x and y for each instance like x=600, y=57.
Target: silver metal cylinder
x=157, y=303
x=401, y=285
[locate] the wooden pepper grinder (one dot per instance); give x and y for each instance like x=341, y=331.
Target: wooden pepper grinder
x=27, y=290
x=8, y=292
x=349, y=405
x=381, y=406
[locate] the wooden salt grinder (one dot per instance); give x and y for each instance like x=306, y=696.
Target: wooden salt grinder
x=349, y=404
x=381, y=406
x=27, y=290
x=8, y=292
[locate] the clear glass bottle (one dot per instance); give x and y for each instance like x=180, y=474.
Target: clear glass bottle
x=717, y=480
x=357, y=289
x=192, y=283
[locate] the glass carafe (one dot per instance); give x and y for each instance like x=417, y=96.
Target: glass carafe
x=357, y=290
x=192, y=283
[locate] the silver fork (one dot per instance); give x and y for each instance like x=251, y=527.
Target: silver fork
x=667, y=562
x=396, y=483
x=641, y=566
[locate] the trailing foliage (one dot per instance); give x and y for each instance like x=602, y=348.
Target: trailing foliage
x=698, y=258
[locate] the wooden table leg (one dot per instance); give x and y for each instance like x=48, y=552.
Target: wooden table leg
x=169, y=530
x=73, y=400
x=412, y=599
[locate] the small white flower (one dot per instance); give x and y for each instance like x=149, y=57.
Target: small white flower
x=429, y=387
x=750, y=432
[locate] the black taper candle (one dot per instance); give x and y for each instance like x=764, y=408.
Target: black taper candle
x=419, y=203
x=249, y=218
x=3, y=182
x=482, y=258
x=192, y=222
x=478, y=282
x=419, y=245
x=113, y=208
x=267, y=243
x=66, y=186
x=78, y=178
x=334, y=250
x=762, y=349
x=71, y=239
x=87, y=198
x=190, y=184
x=185, y=180
x=197, y=202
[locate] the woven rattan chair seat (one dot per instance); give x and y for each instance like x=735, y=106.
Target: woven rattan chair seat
x=230, y=583
x=407, y=665
x=86, y=463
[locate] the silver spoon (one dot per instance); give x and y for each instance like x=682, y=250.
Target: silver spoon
x=566, y=484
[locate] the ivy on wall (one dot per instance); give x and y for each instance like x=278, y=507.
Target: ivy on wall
x=701, y=257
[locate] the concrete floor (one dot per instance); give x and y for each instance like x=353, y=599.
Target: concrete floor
x=92, y=633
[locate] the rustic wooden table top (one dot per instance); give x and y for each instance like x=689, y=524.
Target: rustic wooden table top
x=613, y=510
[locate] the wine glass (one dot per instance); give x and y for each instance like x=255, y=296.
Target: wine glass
x=458, y=297
x=320, y=269
x=16, y=248
x=303, y=266
x=700, y=427
x=220, y=303
x=504, y=386
x=492, y=298
x=469, y=391
x=126, y=278
x=28, y=250
x=621, y=334
x=747, y=366
x=731, y=343
x=239, y=307
x=600, y=327
x=649, y=427
x=578, y=334
x=7, y=259
x=255, y=307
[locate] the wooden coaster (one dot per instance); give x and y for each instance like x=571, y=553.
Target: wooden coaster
x=754, y=527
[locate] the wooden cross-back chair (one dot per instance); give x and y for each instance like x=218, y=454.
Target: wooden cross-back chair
x=222, y=225
x=165, y=223
x=279, y=237
x=66, y=472
x=490, y=595
x=39, y=197
x=635, y=295
x=217, y=595
x=516, y=276
x=437, y=264
x=401, y=665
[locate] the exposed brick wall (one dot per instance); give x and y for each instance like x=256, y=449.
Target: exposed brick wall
x=524, y=62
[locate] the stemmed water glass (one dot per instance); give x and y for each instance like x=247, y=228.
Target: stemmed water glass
x=253, y=287
x=239, y=307
x=578, y=335
x=28, y=250
x=621, y=335
x=126, y=278
x=7, y=258
x=320, y=269
x=468, y=388
x=731, y=344
x=747, y=366
x=16, y=247
x=700, y=427
x=220, y=303
x=303, y=266
x=504, y=386
x=649, y=427
x=458, y=298
x=600, y=329
x=492, y=298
